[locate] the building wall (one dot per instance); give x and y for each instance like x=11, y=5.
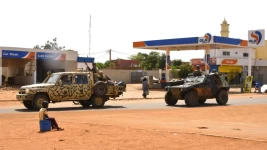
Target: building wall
x=261, y=52
x=237, y=53
x=125, y=75
x=127, y=64
x=70, y=65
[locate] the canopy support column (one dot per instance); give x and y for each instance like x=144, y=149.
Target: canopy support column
x=207, y=52
x=249, y=61
x=168, y=64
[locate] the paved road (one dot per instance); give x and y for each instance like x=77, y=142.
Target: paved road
x=137, y=104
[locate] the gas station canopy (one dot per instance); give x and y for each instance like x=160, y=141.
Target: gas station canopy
x=192, y=43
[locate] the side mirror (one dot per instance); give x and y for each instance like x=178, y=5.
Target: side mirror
x=59, y=83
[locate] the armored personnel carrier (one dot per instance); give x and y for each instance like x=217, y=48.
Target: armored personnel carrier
x=197, y=89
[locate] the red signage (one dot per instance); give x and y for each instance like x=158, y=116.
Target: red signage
x=229, y=61
x=197, y=61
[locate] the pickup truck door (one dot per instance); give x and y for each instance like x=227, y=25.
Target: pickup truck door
x=63, y=91
x=82, y=87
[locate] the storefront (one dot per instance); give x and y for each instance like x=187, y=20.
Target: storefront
x=21, y=66
x=233, y=68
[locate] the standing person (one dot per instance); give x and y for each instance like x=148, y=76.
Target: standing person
x=94, y=69
x=197, y=72
x=145, y=88
x=43, y=115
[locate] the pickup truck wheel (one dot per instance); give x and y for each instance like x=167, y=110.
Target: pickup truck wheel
x=37, y=101
x=28, y=104
x=85, y=103
x=222, y=97
x=97, y=101
x=202, y=100
x=170, y=99
x=191, y=99
x=100, y=89
x=76, y=102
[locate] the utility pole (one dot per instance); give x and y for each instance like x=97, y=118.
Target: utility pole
x=89, y=35
x=109, y=58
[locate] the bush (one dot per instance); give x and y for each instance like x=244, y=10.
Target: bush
x=185, y=69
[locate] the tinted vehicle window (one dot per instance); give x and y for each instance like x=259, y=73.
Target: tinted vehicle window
x=66, y=79
x=81, y=79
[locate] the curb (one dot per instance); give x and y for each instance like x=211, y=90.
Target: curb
x=122, y=99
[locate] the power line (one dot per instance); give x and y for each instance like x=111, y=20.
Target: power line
x=101, y=56
x=122, y=53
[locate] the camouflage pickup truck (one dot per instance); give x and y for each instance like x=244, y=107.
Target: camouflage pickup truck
x=70, y=86
x=197, y=89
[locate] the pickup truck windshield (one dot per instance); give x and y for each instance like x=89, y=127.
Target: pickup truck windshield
x=53, y=78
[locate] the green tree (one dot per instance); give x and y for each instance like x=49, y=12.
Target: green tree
x=176, y=62
x=52, y=45
x=107, y=64
x=185, y=69
x=99, y=65
x=162, y=61
x=141, y=57
x=152, y=60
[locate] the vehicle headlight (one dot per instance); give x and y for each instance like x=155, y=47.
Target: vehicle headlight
x=27, y=91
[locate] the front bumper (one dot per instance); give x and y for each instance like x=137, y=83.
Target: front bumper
x=24, y=97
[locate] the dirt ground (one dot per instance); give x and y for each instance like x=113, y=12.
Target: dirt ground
x=235, y=127
x=225, y=127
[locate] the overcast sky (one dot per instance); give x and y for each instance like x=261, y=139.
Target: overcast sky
x=116, y=24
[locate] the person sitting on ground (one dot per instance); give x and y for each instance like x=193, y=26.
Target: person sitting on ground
x=43, y=115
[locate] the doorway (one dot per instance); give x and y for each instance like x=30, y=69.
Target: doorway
x=43, y=66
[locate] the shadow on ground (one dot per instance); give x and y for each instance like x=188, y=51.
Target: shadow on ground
x=73, y=108
x=201, y=105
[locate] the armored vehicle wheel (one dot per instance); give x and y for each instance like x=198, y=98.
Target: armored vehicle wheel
x=28, y=104
x=202, y=100
x=191, y=99
x=85, y=103
x=222, y=97
x=170, y=99
x=97, y=101
x=37, y=101
x=100, y=89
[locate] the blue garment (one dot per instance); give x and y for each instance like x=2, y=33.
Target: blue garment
x=145, y=86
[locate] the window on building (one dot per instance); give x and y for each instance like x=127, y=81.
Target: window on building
x=225, y=53
x=245, y=54
x=81, y=79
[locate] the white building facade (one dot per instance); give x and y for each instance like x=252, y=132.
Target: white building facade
x=22, y=66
